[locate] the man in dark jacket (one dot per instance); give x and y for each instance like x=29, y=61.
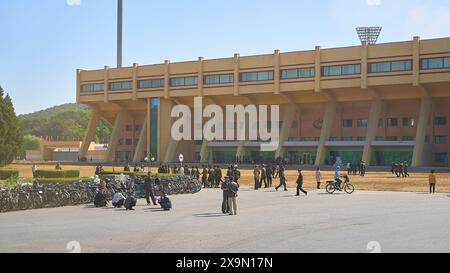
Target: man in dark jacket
x=164, y=201
x=149, y=185
x=225, y=194
x=282, y=179
x=269, y=173
x=263, y=177
x=130, y=201
x=300, y=184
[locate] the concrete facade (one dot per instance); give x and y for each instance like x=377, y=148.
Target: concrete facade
x=381, y=103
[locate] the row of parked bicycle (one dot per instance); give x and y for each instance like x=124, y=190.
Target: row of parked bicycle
x=46, y=195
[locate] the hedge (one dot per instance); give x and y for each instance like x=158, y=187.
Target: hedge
x=56, y=174
x=7, y=174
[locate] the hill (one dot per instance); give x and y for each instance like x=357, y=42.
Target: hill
x=62, y=122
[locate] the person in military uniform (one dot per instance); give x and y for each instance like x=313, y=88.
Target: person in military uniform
x=218, y=176
x=236, y=174
x=204, y=176
x=282, y=179
x=269, y=173
x=210, y=176
x=263, y=177
x=256, y=176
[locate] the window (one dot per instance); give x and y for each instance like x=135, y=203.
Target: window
x=341, y=70
x=333, y=139
x=440, y=140
x=408, y=122
x=347, y=138
x=94, y=87
x=440, y=157
x=297, y=73
x=120, y=141
x=407, y=138
x=380, y=122
x=294, y=124
x=219, y=79
x=441, y=121
x=391, y=138
x=147, y=84
x=435, y=63
x=379, y=138
x=347, y=123
x=361, y=138
x=391, y=122
x=137, y=128
x=129, y=128
x=362, y=122
x=120, y=86
x=135, y=141
x=280, y=124
x=128, y=141
x=257, y=76
x=394, y=66
x=185, y=81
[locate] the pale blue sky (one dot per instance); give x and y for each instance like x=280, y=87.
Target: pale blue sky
x=43, y=42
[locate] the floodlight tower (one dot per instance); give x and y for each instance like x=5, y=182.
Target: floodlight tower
x=119, y=31
x=369, y=34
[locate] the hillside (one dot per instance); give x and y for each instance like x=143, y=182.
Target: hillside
x=62, y=122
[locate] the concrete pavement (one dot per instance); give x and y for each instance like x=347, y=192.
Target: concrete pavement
x=267, y=221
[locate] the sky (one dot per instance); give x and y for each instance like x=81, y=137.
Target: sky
x=43, y=42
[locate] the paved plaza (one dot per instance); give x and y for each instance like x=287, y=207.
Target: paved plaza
x=267, y=221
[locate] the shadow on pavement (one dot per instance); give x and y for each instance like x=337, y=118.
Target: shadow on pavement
x=207, y=215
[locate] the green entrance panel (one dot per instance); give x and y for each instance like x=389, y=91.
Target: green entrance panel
x=224, y=157
x=386, y=158
x=346, y=157
x=301, y=158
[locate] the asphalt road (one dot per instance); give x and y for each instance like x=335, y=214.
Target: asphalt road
x=267, y=221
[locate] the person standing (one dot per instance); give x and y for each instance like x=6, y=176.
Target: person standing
x=349, y=165
x=300, y=184
x=269, y=174
x=149, y=186
x=225, y=194
x=256, y=177
x=34, y=168
x=233, y=188
x=236, y=174
x=405, y=169
x=204, y=177
x=263, y=177
x=218, y=176
x=282, y=179
x=318, y=178
x=432, y=180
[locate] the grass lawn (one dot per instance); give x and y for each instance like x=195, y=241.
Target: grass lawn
x=377, y=181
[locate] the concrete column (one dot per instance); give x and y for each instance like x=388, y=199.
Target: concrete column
x=204, y=152
x=422, y=124
x=147, y=128
x=89, y=135
x=119, y=123
x=364, y=64
x=276, y=73
x=106, y=84
x=166, y=78
x=142, y=143
x=165, y=140
x=416, y=61
x=135, y=81
x=318, y=69
x=288, y=118
x=327, y=125
x=372, y=126
x=236, y=74
x=240, y=152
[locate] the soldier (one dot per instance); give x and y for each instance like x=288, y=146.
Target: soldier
x=218, y=176
x=282, y=179
x=210, y=176
x=405, y=169
x=236, y=174
x=263, y=177
x=269, y=173
x=276, y=171
x=256, y=176
x=204, y=176
x=149, y=185
x=197, y=173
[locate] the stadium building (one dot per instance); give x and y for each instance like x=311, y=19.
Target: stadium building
x=377, y=102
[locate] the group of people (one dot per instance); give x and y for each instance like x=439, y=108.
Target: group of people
x=212, y=176
x=400, y=169
x=125, y=196
x=355, y=169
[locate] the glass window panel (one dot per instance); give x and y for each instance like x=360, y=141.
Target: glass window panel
x=265, y=76
x=249, y=76
x=350, y=69
x=190, y=81
x=401, y=66
x=228, y=78
x=392, y=122
x=332, y=71
x=440, y=121
x=447, y=62
x=290, y=74
x=380, y=67
x=362, y=122
x=306, y=72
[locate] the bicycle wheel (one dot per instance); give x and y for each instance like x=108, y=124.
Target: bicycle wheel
x=349, y=188
x=330, y=188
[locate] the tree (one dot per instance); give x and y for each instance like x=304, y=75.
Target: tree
x=10, y=135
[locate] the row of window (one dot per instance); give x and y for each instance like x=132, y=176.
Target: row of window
x=129, y=128
x=437, y=139
x=297, y=73
x=128, y=141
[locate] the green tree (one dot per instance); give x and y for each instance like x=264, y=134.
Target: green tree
x=10, y=135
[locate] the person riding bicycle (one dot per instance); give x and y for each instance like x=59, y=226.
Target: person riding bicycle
x=339, y=182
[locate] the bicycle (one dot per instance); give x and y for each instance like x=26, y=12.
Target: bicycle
x=333, y=186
